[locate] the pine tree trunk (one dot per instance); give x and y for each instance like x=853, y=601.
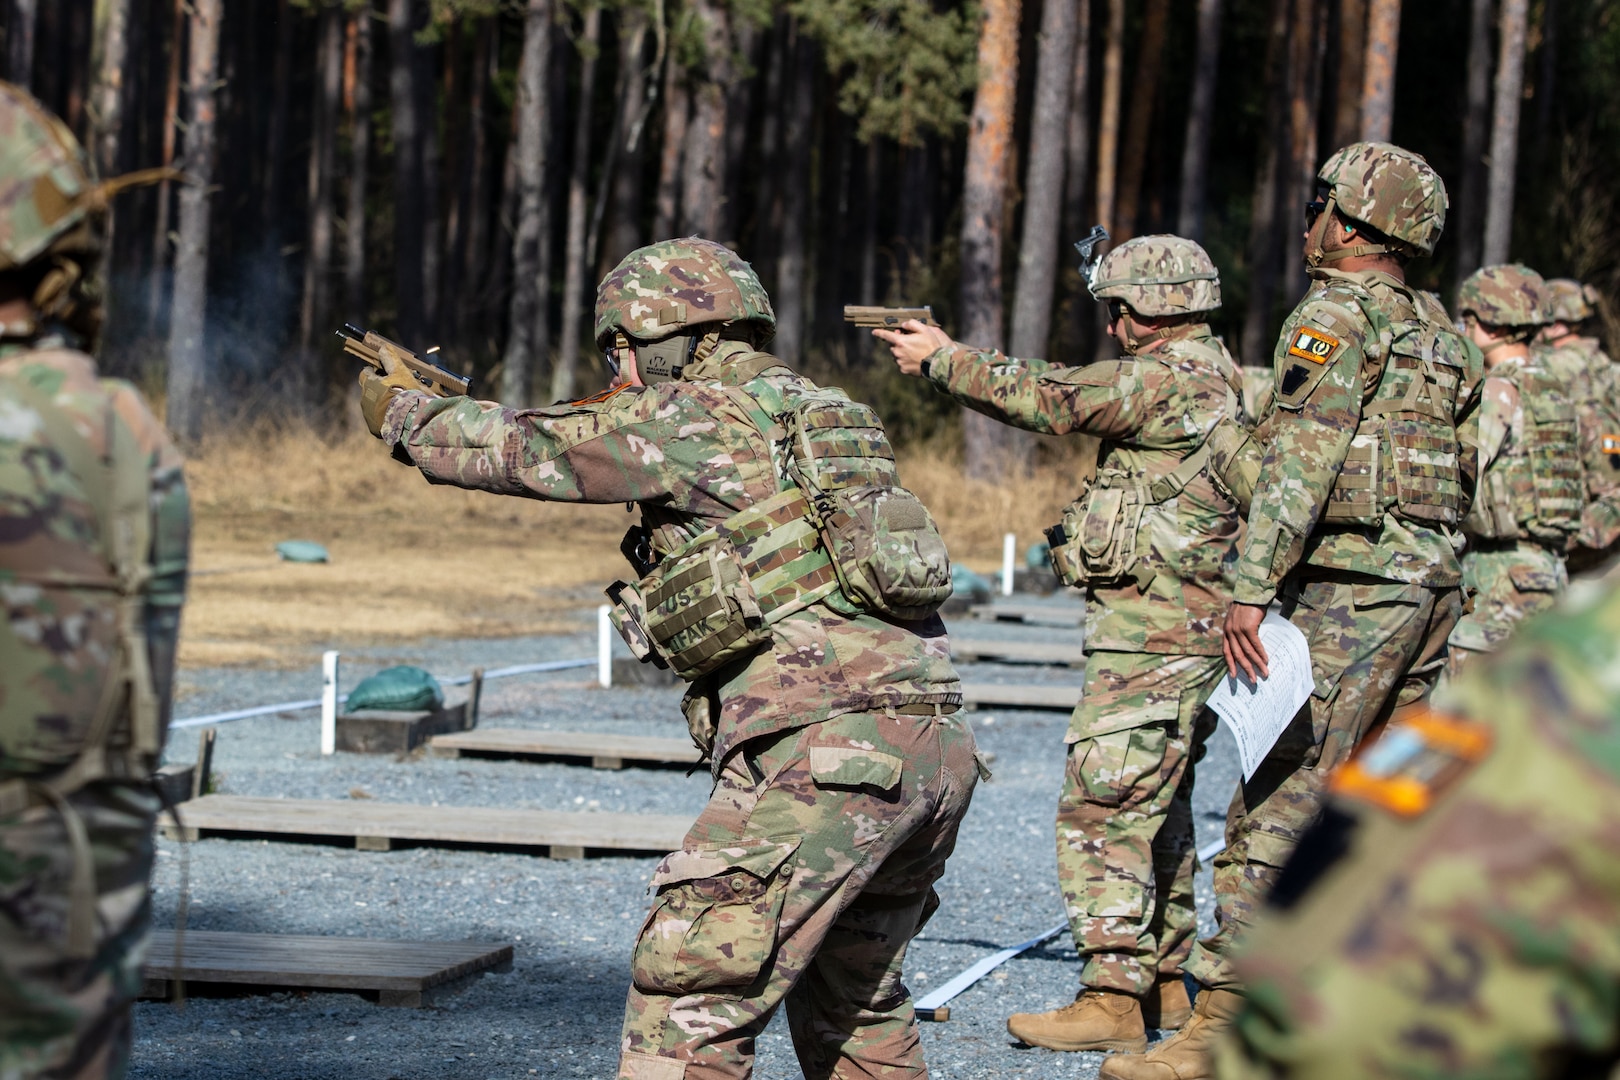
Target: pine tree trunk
x=20, y=29
x=1378, y=81
x=1149, y=60
x=1546, y=77
x=635, y=104
x=993, y=450
x=1351, y=41
x=704, y=171
x=475, y=228
x=314, y=313
x=741, y=102
x=354, y=224
x=1108, y=119
x=1468, y=217
x=677, y=113
x=1307, y=50
x=1078, y=305
x=1263, y=224
x=527, y=332
x=575, y=266
x=1200, y=123
x=409, y=209
x=111, y=48
x=270, y=209
x=159, y=277
x=792, y=263
x=1043, y=181
x=1505, y=131
x=432, y=174
x=457, y=104
x=187, y=324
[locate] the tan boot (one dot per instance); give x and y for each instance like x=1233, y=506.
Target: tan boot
x=1189, y=1054
x=1097, y=1020
x=1167, y=1005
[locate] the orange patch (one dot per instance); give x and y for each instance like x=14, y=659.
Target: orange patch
x=601, y=395
x=1313, y=345
x=1405, y=770
x=1610, y=444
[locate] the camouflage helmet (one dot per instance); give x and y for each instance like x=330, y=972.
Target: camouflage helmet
x=667, y=287
x=49, y=202
x=1159, y=275
x=1510, y=294
x=1570, y=302
x=1391, y=190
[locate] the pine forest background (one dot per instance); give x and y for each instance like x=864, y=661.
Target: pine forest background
x=462, y=172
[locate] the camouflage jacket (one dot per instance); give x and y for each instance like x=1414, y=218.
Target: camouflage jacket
x=1311, y=428
x=1588, y=375
x=1458, y=913
x=1151, y=412
x=60, y=636
x=691, y=457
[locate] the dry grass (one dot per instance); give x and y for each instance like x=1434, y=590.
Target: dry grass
x=412, y=561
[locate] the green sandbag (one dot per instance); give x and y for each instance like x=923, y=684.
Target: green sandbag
x=1038, y=556
x=965, y=583
x=301, y=551
x=403, y=689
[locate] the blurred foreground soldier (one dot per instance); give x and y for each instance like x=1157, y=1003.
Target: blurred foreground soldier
x=1151, y=541
x=1457, y=910
x=794, y=583
x=1528, y=503
x=1568, y=345
x=94, y=528
x=1363, y=480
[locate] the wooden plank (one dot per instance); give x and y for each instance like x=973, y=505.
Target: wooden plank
x=1031, y=611
x=366, y=823
x=602, y=749
x=399, y=970
x=391, y=731
x=1012, y=696
x=1018, y=652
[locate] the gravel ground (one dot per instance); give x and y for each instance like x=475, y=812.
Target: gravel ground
x=557, y=1012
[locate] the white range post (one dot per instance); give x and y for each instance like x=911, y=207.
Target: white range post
x=604, y=647
x=1009, y=550
x=329, y=701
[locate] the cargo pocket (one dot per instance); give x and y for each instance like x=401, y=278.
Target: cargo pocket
x=713, y=925
x=1530, y=579
x=852, y=767
x=1109, y=767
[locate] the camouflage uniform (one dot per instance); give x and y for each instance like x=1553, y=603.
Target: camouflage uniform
x=1368, y=375
x=1467, y=925
x=1589, y=375
x=1530, y=486
x=841, y=764
x=93, y=539
x=1125, y=846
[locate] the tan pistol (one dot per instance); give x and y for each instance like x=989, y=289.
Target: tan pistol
x=889, y=317
x=435, y=380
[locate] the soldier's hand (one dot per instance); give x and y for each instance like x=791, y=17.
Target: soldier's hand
x=377, y=390
x=1241, y=642
x=914, y=342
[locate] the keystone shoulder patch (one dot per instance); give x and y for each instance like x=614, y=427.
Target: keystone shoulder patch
x=1412, y=763
x=1610, y=444
x=1313, y=345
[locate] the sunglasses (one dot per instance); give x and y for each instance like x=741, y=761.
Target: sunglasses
x=1313, y=210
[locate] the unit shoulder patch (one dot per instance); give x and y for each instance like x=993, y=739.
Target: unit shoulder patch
x=1413, y=763
x=1312, y=344
x=1610, y=444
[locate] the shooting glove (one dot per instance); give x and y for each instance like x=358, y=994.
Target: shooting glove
x=376, y=391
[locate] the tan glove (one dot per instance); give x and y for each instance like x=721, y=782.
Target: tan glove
x=376, y=391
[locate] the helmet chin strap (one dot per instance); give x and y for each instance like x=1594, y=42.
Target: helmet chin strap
x=1316, y=255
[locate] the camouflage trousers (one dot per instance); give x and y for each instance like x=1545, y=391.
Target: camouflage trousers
x=1376, y=646
x=1125, y=847
x=1509, y=584
x=804, y=879
x=61, y=1015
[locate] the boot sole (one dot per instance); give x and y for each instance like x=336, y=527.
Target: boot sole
x=1124, y=1046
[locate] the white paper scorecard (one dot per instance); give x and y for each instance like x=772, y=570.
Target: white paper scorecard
x=1257, y=713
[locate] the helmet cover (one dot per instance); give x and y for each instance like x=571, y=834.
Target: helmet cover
x=1391, y=190
x=668, y=287
x=1509, y=294
x=1568, y=301
x=1159, y=275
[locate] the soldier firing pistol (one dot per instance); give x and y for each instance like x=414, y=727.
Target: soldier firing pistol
x=891, y=317
x=435, y=380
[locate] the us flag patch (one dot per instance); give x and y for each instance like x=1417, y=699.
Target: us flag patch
x=1313, y=345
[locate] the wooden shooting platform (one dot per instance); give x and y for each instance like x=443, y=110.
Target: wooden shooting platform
x=377, y=826
x=390, y=731
x=402, y=973
x=1018, y=652
x=1020, y=696
x=604, y=751
x=1034, y=612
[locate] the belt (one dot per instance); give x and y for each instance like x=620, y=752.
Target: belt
x=923, y=708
